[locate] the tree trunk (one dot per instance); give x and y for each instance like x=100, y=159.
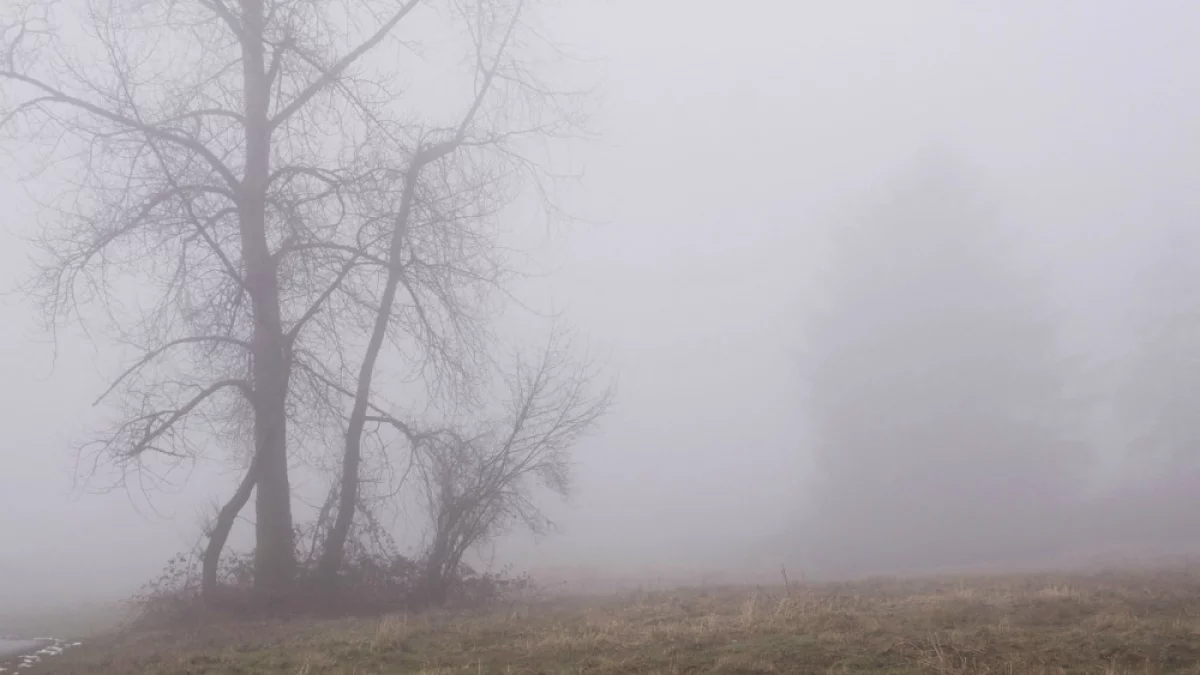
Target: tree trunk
x=274, y=556
x=334, y=553
x=221, y=529
x=434, y=585
x=433, y=589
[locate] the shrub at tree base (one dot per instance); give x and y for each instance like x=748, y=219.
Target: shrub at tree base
x=371, y=583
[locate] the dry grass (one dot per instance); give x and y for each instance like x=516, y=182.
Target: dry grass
x=1130, y=622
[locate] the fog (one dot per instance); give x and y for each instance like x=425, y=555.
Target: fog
x=734, y=141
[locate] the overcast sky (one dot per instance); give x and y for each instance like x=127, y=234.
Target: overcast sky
x=733, y=135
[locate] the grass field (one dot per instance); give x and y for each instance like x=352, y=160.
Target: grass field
x=1119, y=622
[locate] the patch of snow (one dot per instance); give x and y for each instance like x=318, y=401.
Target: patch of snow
x=28, y=659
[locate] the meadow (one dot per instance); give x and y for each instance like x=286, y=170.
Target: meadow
x=1145, y=621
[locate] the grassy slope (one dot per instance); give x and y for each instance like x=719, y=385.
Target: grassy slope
x=1145, y=622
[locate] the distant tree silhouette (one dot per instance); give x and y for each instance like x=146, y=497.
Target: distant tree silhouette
x=936, y=393
x=1159, y=393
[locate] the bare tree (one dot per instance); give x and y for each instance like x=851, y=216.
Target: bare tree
x=245, y=174
x=435, y=252
x=235, y=164
x=478, y=480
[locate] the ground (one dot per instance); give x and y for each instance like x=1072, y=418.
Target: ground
x=1126, y=622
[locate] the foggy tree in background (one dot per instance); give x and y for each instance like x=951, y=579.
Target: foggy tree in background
x=1145, y=508
x=1159, y=395
x=247, y=190
x=933, y=385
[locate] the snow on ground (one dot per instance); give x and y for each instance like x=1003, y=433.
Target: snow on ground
x=18, y=654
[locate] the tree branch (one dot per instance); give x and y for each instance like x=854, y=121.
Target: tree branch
x=437, y=151
x=152, y=433
x=57, y=96
x=290, y=338
x=153, y=354
x=331, y=74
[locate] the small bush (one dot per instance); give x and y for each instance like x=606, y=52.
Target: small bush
x=370, y=583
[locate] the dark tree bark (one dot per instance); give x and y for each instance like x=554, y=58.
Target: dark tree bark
x=274, y=558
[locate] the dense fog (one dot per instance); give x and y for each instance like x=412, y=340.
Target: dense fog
x=882, y=288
